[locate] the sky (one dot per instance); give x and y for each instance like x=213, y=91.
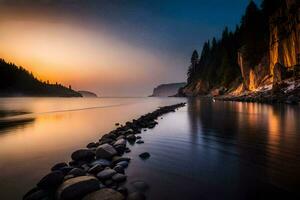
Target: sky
x=111, y=47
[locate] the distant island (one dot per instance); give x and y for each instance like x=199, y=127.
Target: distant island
x=258, y=61
x=167, y=90
x=87, y=94
x=16, y=81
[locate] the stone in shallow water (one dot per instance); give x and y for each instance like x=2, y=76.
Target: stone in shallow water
x=95, y=169
x=36, y=194
x=136, y=196
x=51, y=180
x=102, y=162
x=76, y=188
x=105, y=151
x=104, y=194
x=140, y=142
x=77, y=172
x=106, y=174
x=119, y=169
x=59, y=166
x=119, y=177
x=120, y=142
x=82, y=154
x=144, y=155
x=117, y=159
x=131, y=137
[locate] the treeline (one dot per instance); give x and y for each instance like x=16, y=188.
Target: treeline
x=17, y=81
x=218, y=62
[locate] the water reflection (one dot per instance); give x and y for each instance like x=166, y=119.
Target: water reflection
x=263, y=136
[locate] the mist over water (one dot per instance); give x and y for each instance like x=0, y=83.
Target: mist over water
x=205, y=150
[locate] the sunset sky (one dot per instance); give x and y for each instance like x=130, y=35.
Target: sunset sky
x=111, y=47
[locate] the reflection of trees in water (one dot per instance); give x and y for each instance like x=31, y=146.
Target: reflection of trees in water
x=10, y=124
x=264, y=136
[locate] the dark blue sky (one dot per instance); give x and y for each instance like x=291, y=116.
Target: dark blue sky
x=166, y=30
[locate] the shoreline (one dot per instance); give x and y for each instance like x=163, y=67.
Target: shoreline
x=98, y=171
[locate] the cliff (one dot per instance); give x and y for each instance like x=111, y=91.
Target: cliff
x=16, y=81
x=268, y=63
x=166, y=90
x=87, y=94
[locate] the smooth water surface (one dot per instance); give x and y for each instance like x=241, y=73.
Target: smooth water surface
x=206, y=150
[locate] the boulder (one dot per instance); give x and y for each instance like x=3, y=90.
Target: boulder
x=59, y=166
x=83, y=155
x=77, y=172
x=119, y=177
x=95, y=169
x=120, y=142
x=105, y=151
x=51, y=180
x=119, y=169
x=76, y=188
x=104, y=194
x=106, y=174
x=102, y=162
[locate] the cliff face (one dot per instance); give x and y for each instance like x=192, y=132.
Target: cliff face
x=166, y=90
x=283, y=51
x=280, y=61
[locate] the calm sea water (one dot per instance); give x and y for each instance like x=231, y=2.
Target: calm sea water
x=206, y=150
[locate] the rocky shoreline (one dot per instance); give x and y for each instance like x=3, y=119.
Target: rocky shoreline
x=97, y=172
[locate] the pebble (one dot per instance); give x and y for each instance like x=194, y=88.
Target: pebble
x=144, y=155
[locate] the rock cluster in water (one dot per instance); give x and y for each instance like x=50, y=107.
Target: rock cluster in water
x=97, y=172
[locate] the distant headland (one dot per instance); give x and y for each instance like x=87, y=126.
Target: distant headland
x=15, y=81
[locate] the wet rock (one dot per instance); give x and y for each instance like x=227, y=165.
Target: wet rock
x=127, y=150
x=65, y=170
x=119, y=169
x=51, y=180
x=144, y=155
x=131, y=137
x=119, y=177
x=36, y=194
x=76, y=188
x=136, y=196
x=92, y=145
x=83, y=155
x=120, y=137
x=140, y=142
x=138, y=137
x=104, y=194
x=105, y=151
x=117, y=159
x=95, y=169
x=106, y=174
x=102, y=162
x=124, y=164
x=77, y=172
x=120, y=142
x=58, y=166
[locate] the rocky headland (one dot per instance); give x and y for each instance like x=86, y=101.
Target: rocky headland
x=97, y=172
x=167, y=90
x=259, y=61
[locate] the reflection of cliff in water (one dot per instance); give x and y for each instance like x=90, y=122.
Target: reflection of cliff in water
x=10, y=119
x=263, y=136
